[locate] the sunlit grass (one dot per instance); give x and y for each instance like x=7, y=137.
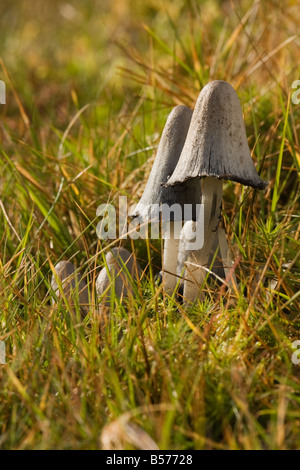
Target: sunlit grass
x=89, y=88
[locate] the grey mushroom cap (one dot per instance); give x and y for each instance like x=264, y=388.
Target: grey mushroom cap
x=122, y=268
x=216, y=144
x=168, y=153
x=73, y=285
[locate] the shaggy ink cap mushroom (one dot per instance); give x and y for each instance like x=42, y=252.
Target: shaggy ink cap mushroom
x=170, y=146
x=215, y=149
x=216, y=144
x=115, y=279
x=167, y=204
x=67, y=282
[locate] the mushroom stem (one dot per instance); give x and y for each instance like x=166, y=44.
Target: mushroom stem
x=171, y=244
x=195, y=274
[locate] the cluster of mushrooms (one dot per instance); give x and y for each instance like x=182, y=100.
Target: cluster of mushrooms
x=197, y=151
x=114, y=281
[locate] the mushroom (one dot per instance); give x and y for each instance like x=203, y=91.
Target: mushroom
x=215, y=263
x=116, y=277
x=215, y=149
x=167, y=204
x=69, y=284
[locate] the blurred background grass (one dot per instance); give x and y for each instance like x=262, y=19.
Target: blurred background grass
x=89, y=87
x=129, y=63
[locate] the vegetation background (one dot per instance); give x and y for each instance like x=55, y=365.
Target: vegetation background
x=89, y=87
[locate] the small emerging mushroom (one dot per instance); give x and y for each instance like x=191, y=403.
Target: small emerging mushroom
x=157, y=201
x=68, y=283
x=116, y=278
x=215, y=149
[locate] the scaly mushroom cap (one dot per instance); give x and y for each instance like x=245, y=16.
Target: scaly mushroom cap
x=168, y=153
x=216, y=144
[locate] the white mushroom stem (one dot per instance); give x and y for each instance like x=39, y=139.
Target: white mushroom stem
x=171, y=235
x=197, y=259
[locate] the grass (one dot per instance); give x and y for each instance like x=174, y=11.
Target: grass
x=89, y=88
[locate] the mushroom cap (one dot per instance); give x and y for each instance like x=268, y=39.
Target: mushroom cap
x=216, y=144
x=116, y=273
x=72, y=284
x=168, y=153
